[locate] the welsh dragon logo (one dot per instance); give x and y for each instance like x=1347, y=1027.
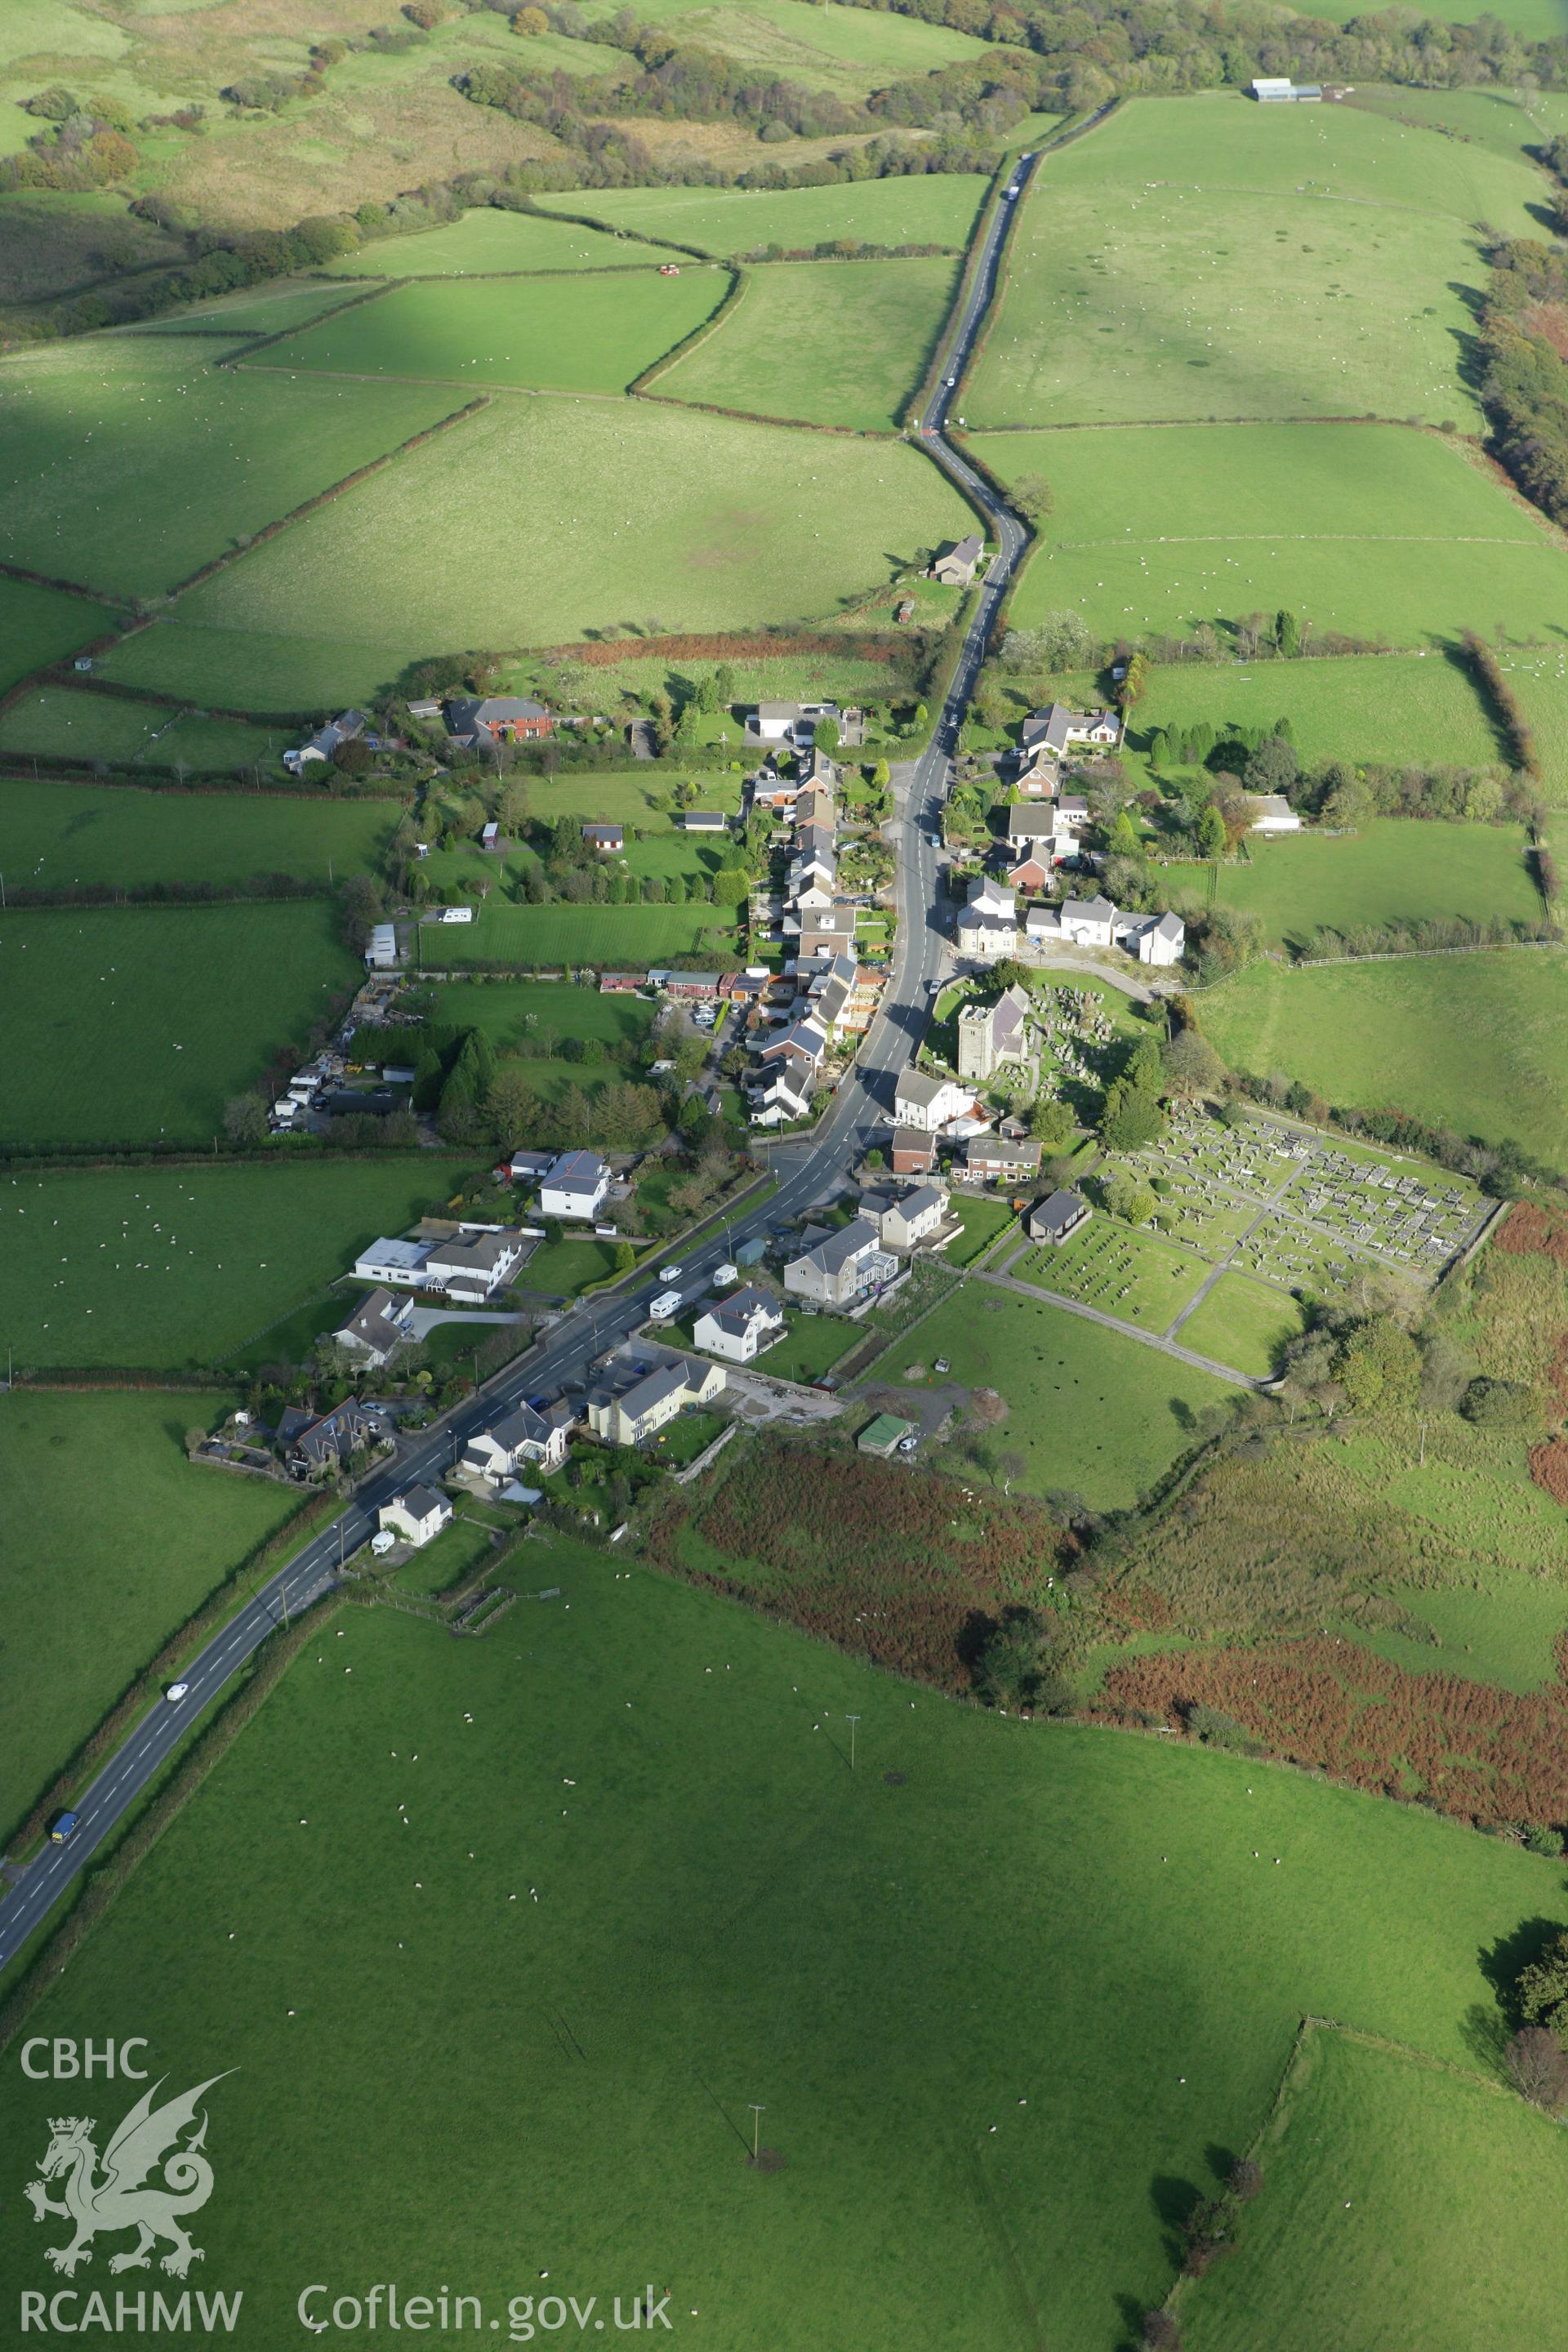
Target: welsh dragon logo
x=147, y=2141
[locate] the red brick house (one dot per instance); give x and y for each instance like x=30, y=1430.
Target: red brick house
x=913, y=1151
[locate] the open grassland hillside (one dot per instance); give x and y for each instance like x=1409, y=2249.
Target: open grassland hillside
x=271, y=307
x=62, y=722
x=135, y=1025
x=55, y=835
x=1393, y=709
x=834, y=342
x=488, y=243
x=1508, y=121
x=1205, y=257
x=102, y=1565
x=128, y=463
x=1365, y=2162
x=650, y=515
x=1369, y=530
x=850, y=50
x=1393, y=872
x=956, y=2066
x=43, y=624
x=1472, y=1042
x=272, y=671
x=1538, y=676
x=593, y=333
x=930, y=208
x=165, y=1269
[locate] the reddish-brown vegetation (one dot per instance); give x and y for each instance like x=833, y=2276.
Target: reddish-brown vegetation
x=1466, y=1748
x=1549, y=1467
x=865, y=1554
x=1527, y=1229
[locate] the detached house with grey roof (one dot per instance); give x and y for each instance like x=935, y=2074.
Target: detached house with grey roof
x=842, y=1267
x=739, y=1327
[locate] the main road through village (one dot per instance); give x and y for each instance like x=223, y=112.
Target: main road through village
x=807, y=1174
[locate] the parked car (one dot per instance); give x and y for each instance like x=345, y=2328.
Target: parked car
x=907, y=1445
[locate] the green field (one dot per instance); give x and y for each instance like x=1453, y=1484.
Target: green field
x=1092, y=1413
x=838, y=48
x=650, y=515
x=1472, y=1042
x=1396, y=871
x=128, y=464
x=725, y=1913
x=1366, y=529
x=925, y=208
x=1369, y=2159
x=54, y=835
x=629, y=936
x=513, y=1013
x=1393, y=709
x=1119, y=1271
x=64, y=722
x=491, y=243
x=981, y=1221
x=229, y=1250
x=565, y=334
x=272, y=672
x=1204, y=257
x=834, y=342
x=1540, y=679
x=104, y=1562
x=43, y=624
x=135, y=1025
x=1502, y=1630
x=1242, y=1323
x=269, y=309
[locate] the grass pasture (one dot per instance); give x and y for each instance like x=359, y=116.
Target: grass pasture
x=38, y=626
x=854, y=1948
x=1395, y=871
x=830, y=49
x=632, y=937
x=230, y=1250
x=1092, y=1413
x=1418, y=708
x=65, y=722
x=923, y=208
x=832, y=342
x=1501, y=1629
x=269, y=309
x=648, y=513
x=490, y=243
x=261, y=670
x=514, y=1013
x=101, y=1569
x=592, y=333
x=134, y=1025
x=128, y=464
x=1206, y=257
x=1472, y=1042
x=1372, y=530
x=55, y=835
x=1373, y=2152
x=1538, y=676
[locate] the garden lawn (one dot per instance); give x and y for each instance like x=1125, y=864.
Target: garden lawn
x=831, y=342
x=925, y=208
x=1092, y=1413
x=43, y=624
x=724, y=1910
x=1242, y=1323
x=1395, y=708
x=136, y=1025
x=1472, y=1042
x=457, y=1551
x=618, y=937
x=561, y=1269
x=1371, y=2153
x=516, y=1014
x=592, y=333
x=1395, y=871
x=103, y=1564
x=1204, y=257
x=1365, y=529
x=130, y=464
x=649, y=512
x=65, y=722
x=489, y=244
x=981, y=1221
x=187, y=1265
x=55, y=835
x=811, y=1346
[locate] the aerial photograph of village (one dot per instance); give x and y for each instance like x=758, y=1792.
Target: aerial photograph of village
x=783, y=793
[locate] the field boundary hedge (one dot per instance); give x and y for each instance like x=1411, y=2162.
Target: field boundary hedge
x=281, y=334
x=197, y=1628
x=64, y=587
x=324, y=498
x=727, y=303
x=103, y=1884
x=224, y=782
